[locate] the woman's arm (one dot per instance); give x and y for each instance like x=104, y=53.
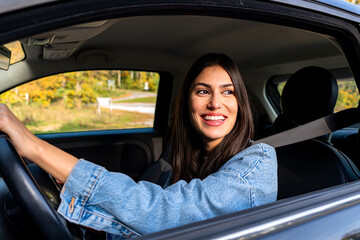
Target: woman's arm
x=50, y=158
x=114, y=203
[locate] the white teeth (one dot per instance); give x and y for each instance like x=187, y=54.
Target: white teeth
x=214, y=118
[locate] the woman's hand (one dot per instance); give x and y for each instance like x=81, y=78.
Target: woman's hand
x=22, y=139
x=50, y=158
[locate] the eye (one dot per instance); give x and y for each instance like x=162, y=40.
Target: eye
x=228, y=92
x=202, y=91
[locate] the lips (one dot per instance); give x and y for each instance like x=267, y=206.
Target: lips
x=213, y=119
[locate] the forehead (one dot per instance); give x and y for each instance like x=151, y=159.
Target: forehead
x=214, y=75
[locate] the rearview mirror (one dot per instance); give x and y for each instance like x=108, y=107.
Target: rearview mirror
x=5, y=55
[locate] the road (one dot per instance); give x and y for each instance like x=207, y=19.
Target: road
x=133, y=107
x=135, y=94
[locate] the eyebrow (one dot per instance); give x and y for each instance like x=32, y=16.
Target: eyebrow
x=209, y=86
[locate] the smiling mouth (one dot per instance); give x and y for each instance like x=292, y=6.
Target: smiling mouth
x=214, y=118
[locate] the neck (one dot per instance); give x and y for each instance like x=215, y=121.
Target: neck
x=210, y=145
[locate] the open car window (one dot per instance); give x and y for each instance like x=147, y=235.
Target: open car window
x=86, y=100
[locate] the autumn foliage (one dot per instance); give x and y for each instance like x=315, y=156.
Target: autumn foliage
x=76, y=89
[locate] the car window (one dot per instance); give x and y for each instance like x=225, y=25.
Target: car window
x=86, y=100
x=348, y=96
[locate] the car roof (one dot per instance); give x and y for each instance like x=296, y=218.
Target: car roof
x=333, y=7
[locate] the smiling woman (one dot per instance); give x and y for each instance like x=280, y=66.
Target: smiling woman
x=212, y=111
x=212, y=87
x=213, y=105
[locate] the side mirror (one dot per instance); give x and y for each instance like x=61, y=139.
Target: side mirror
x=5, y=55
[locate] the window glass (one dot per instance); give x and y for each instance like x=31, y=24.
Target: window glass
x=17, y=52
x=280, y=87
x=348, y=96
x=86, y=100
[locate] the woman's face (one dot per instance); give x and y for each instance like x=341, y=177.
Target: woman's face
x=213, y=105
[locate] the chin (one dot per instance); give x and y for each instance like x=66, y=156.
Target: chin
x=212, y=137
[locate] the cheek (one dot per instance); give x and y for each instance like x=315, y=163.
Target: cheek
x=195, y=105
x=233, y=107
x=234, y=112
x=192, y=112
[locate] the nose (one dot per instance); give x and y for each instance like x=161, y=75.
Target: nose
x=215, y=101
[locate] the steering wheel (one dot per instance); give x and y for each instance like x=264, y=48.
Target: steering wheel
x=28, y=194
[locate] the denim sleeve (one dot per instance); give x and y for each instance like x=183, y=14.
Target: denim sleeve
x=114, y=203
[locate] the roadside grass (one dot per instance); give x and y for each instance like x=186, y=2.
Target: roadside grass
x=57, y=118
x=138, y=100
x=118, y=94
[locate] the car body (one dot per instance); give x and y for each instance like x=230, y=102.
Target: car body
x=266, y=39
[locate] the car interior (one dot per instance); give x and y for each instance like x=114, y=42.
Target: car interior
x=310, y=63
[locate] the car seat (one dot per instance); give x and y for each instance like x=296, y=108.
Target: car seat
x=314, y=164
x=158, y=172
x=309, y=94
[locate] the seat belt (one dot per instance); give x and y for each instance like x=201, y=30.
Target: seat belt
x=313, y=129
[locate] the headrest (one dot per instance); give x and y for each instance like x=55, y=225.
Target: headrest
x=309, y=94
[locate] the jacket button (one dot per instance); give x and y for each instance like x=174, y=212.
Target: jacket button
x=71, y=205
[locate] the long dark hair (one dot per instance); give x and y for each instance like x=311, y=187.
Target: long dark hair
x=187, y=151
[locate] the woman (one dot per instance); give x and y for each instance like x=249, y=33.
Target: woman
x=216, y=169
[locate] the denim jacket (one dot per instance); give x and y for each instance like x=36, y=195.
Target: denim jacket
x=114, y=203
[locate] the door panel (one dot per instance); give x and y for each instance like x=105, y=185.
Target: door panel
x=127, y=151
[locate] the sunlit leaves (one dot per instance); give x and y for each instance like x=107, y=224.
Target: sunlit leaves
x=348, y=96
x=76, y=89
